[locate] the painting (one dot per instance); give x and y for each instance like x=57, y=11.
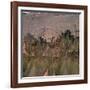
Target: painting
x=50, y=44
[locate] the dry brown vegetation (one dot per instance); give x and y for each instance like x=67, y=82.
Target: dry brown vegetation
x=60, y=57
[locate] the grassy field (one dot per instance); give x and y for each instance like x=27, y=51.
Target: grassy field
x=61, y=57
x=37, y=66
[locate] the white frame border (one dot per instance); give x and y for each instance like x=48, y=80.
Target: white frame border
x=52, y=78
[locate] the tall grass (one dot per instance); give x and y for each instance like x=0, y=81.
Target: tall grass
x=65, y=63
